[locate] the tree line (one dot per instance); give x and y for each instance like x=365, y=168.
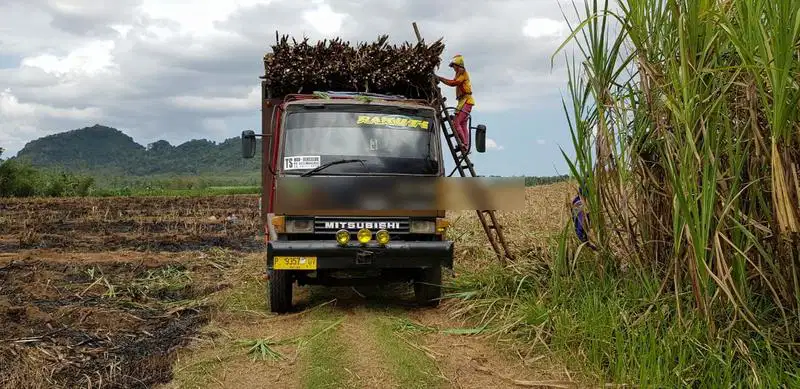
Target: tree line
x=19, y=179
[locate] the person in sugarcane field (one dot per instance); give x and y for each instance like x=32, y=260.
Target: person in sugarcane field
x=580, y=219
x=464, y=96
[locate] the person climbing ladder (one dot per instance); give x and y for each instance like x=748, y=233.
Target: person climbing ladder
x=465, y=100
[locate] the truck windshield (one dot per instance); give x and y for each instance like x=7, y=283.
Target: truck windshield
x=387, y=140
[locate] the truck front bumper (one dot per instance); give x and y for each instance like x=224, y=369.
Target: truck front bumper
x=330, y=255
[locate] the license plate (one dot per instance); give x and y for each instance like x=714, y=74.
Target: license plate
x=294, y=263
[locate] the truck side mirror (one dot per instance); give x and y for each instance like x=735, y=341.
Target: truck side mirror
x=480, y=138
x=248, y=144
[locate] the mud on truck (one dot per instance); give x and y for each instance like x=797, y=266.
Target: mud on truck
x=341, y=136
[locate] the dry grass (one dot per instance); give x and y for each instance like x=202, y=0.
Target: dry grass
x=24, y=370
x=529, y=231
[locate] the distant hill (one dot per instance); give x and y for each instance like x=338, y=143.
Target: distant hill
x=101, y=150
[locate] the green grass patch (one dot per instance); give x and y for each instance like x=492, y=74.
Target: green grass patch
x=249, y=292
x=322, y=357
x=616, y=328
x=406, y=325
x=249, y=296
x=264, y=349
x=409, y=365
x=162, y=282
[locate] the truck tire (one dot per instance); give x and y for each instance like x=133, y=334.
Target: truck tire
x=280, y=291
x=428, y=286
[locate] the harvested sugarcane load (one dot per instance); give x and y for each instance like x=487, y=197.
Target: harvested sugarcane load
x=377, y=67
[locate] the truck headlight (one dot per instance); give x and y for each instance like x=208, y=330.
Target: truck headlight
x=422, y=227
x=442, y=225
x=299, y=226
x=279, y=222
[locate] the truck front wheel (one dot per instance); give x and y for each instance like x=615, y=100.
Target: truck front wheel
x=428, y=286
x=280, y=291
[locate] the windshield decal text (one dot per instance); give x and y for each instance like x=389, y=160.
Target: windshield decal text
x=392, y=121
x=301, y=162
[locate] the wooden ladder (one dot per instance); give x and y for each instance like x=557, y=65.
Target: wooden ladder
x=488, y=218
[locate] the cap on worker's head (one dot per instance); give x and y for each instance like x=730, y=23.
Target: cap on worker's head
x=458, y=60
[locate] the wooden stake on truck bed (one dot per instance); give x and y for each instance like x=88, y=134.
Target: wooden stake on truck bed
x=488, y=219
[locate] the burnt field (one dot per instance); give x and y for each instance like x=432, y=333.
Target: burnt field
x=135, y=223
x=102, y=292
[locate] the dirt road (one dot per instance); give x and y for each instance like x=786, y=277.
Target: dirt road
x=346, y=338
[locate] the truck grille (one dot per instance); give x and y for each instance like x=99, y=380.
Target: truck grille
x=327, y=224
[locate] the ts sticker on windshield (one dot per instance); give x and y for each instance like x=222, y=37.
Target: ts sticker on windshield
x=392, y=121
x=301, y=162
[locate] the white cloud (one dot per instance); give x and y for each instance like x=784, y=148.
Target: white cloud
x=527, y=85
x=215, y=125
x=324, y=19
x=544, y=28
x=197, y=18
x=122, y=29
x=541, y=142
x=491, y=144
x=219, y=104
x=12, y=109
x=92, y=58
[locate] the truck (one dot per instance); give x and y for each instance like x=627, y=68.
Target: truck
x=342, y=136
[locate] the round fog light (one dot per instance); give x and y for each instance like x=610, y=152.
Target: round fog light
x=342, y=237
x=382, y=236
x=364, y=235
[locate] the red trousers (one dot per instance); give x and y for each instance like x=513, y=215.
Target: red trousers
x=461, y=124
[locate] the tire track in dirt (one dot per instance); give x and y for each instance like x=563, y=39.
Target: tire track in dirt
x=362, y=355
x=369, y=367
x=374, y=356
x=470, y=361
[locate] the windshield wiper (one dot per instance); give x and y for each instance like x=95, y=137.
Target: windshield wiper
x=329, y=164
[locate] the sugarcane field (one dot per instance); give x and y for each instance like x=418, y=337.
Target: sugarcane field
x=319, y=194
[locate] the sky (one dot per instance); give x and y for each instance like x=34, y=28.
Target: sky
x=188, y=69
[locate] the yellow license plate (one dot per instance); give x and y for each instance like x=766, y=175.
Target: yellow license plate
x=294, y=263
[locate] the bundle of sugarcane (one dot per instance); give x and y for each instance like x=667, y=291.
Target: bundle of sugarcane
x=336, y=65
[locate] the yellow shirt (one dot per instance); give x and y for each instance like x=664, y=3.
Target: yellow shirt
x=463, y=89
